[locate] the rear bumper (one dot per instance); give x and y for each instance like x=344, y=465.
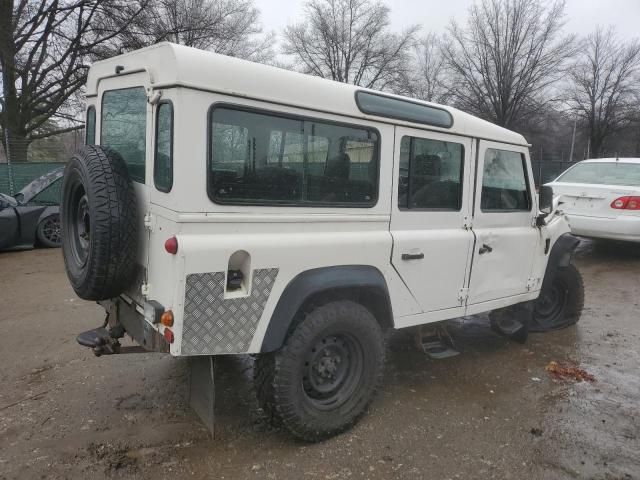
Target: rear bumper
x=126, y=314
x=625, y=228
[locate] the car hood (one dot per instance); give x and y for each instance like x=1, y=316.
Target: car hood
x=38, y=185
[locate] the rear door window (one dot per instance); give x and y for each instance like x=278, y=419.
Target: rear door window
x=123, y=127
x=430, y=174
x=505, y=186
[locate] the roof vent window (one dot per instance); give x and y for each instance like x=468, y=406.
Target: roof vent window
x=400, y=109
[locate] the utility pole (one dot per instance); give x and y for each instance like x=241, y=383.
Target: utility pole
x=573, y=139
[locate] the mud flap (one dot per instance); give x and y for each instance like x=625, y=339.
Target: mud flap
x=202, y=393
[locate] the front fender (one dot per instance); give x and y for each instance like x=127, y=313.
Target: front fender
x=560, y=256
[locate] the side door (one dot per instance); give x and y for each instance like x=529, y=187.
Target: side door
x=504, y=214
x=430, y=206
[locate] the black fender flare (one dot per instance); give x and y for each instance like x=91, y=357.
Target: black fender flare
x=560, y=256
x=330, y=280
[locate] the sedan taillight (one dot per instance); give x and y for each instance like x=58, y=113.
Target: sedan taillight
x=626, y=203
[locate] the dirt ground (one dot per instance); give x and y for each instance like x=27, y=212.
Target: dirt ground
x=491, y=412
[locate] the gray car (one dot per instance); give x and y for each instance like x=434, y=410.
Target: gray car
x=24, y=223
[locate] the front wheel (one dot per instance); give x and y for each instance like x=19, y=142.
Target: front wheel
x=560, y=303
x=323, y=378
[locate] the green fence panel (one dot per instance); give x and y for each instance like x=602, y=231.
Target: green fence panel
x=24, y=173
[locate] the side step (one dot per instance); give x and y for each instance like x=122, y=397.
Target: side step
x=436, y=342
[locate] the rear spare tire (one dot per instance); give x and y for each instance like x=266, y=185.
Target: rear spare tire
x=99, y=223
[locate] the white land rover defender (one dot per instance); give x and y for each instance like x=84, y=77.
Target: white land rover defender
x=226, y=207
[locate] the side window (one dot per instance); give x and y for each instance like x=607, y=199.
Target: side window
x=124, y=127
x=90, y=127
x=504, y=182
x=163, y=155
x=263, y=158
x=430, y=174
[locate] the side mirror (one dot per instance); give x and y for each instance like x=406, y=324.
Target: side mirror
x=545, y=202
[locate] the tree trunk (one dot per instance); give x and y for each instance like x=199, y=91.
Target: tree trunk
x=18, y=146
x=15, y=139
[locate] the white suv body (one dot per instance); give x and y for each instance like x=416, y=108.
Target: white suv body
x=282, y=241
x=260, y=191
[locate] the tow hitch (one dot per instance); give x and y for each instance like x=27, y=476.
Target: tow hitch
x=105, y=342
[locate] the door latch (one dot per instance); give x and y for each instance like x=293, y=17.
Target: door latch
x=412, y=256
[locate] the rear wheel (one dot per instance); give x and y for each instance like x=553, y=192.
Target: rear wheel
x=321, y=381
x=560, y=303
x=48, y=232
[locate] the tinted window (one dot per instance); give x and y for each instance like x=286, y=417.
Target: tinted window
x=403, y=109
x=504, y=182
x=90, y=126
x=124, y=125
x=261, y=158
x=605, y=173
x=163, y=158
x=430, y=174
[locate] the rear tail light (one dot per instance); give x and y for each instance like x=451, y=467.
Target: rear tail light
x=171, y=245
x=168, y=335
x=626, y=203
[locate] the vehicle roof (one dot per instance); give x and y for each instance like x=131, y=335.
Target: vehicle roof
x=171, y=65
x=612, y=160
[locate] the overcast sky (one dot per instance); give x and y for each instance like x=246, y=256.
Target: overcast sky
x=433, y=15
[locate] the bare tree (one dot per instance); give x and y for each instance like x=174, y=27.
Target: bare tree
x=230, y=27
x=428, y=79
x=349, y=41
x=605, y=86
x=43, y=48
x=507, y=56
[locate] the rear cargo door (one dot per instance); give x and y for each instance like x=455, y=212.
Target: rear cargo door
x=124, y=123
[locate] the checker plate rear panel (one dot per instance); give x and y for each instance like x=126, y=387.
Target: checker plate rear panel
x=213, y=325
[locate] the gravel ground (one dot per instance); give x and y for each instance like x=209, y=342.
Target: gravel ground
x=491, y=412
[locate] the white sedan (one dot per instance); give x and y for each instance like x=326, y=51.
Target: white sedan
x=601, y=198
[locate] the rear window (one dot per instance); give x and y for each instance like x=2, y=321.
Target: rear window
x=123, y=127
x=604, y=173
x=263, y=158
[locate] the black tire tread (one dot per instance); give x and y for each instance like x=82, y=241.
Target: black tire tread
x=274, y=372
x=575, y=304
x=112, y=201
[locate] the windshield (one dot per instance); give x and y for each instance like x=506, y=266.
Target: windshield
x=603, y=173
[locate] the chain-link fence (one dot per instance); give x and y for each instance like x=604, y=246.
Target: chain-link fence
x=22, y=161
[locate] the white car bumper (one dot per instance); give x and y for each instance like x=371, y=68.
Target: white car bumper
x=625, y=228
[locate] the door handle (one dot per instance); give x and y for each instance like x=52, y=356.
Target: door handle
x=485, y=249
x=412, y=256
